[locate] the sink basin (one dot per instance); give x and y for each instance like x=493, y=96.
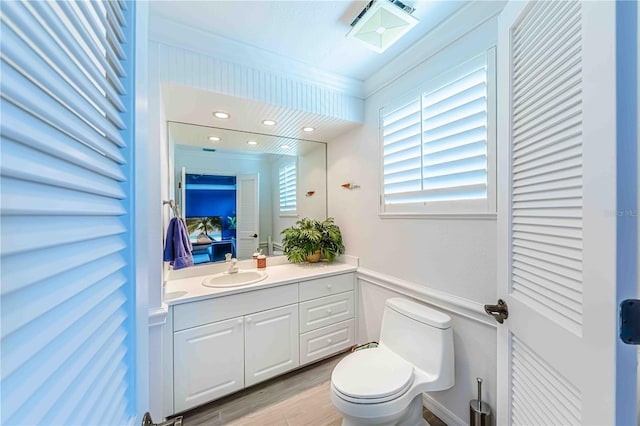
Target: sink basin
x=239, y=278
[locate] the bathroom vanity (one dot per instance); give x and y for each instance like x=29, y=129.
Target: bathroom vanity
x=221, y=340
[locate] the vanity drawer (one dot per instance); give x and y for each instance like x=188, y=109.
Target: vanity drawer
x=317, y=313
x=326, y=286
x=193, y=314
x=326, y=341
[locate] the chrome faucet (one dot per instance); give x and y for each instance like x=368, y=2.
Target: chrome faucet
x=233, y=267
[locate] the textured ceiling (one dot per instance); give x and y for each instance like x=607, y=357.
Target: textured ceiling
x=311, y=32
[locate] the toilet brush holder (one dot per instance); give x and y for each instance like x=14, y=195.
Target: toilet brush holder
x=479, y=412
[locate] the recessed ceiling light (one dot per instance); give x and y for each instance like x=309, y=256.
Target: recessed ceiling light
x=308, y=129
x=221, y=114
x=268, y=122
x=285, y=146
x=252, y=142
x=214, y=138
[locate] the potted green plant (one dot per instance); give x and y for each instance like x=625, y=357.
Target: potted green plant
x=309, y=239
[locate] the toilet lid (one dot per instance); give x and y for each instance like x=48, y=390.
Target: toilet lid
x=372, y=374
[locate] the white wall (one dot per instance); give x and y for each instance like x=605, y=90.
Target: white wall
x=455, y=258
x=312, y=176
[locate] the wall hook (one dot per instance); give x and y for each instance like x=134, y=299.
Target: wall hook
x=350, y=185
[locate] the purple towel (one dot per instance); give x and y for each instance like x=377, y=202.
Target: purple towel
x=177, y=248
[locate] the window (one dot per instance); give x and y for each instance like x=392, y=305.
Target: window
x=287, y=181
x=437, y=146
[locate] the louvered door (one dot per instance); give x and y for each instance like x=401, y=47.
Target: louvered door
x=557, y=226
x=67, y=294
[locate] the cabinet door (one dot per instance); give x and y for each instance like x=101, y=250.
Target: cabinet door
x=271, y=343
x=208, y=362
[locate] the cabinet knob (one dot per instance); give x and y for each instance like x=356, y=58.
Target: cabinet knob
x=249, y=319
x=329, y=311
x=240, y=321
x=329, y=341
x=329, y=286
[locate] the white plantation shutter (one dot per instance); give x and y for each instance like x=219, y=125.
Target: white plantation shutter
x=67, y=289
x=436, y=146
x=287, y=181
x=402, y=151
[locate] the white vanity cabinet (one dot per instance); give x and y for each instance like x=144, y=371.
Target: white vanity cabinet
x=271, y=344
x=225, y=343
x=206, y=362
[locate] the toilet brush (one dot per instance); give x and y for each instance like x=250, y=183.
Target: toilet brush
x=479, y=412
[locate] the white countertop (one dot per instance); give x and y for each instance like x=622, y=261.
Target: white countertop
x=190, y=289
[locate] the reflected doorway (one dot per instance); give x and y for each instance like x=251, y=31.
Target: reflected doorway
x=210, y=213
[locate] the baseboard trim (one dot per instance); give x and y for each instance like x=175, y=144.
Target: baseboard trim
x=442, y=412
x=454, y=304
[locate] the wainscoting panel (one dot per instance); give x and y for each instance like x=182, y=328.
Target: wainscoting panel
x=474, y=339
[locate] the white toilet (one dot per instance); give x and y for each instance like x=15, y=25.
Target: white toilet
x=384, y=385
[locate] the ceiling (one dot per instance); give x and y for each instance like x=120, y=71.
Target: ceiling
x=188, y=105
x=308, y=31
x=233, y=141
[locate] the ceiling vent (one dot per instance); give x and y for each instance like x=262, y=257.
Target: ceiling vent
x=382, y=23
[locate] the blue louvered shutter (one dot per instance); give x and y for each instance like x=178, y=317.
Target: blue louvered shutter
x=67, y=294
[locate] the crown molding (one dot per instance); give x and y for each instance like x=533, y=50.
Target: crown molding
x=174, y=34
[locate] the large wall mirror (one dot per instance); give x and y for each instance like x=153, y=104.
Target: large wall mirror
x=238, y=190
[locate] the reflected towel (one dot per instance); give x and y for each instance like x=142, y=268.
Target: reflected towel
x=177, y=248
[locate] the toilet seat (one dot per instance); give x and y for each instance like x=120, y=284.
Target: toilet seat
x=371, y=376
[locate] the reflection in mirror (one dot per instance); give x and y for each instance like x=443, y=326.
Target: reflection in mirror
x=238, y=190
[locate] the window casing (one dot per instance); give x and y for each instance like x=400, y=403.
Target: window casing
x=438, y=144
x=287, y=178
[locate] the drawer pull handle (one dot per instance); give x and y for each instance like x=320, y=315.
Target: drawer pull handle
x=329, y=311
x=329, y=286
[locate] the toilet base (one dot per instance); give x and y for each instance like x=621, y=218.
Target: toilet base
x=412, y=416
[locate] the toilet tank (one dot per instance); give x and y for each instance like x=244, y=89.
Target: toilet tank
x=422, y=336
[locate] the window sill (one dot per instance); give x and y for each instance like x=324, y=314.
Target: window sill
x=288, y=214
x=446, y=216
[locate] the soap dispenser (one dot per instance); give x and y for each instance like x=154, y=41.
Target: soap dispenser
x=262, y=260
